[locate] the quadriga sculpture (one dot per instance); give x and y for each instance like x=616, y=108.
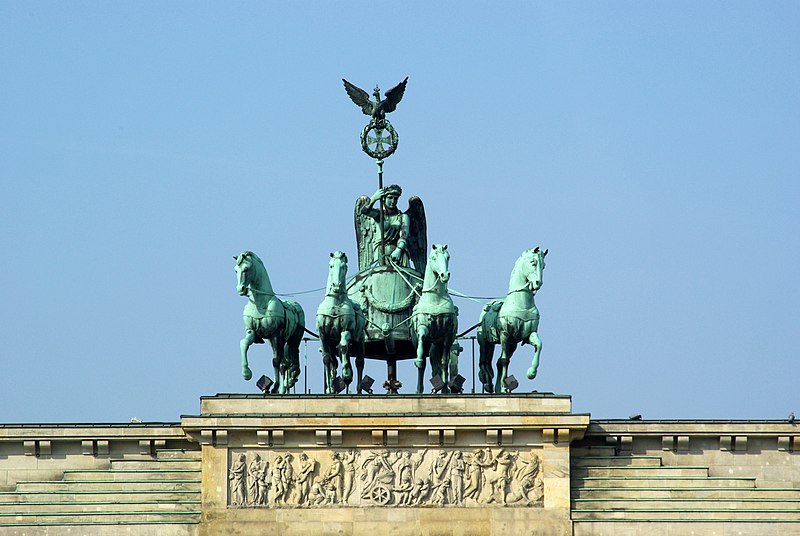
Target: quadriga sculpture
x=512, y=321
x=434, y=319
x=267, y=317
x=340, y=323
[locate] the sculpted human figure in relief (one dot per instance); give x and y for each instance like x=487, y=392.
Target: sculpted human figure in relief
x=388, y=477
x=528, y=486
x=257, y=472
x=377, y=468
x=406, y=467
x=457, y=469
x=279, y=484
x=238, y=477
x=304, y=476
x=349, y=461
x=505, y=463
x=334, y=478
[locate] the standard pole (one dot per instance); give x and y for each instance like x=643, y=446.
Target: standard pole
x=380, y=187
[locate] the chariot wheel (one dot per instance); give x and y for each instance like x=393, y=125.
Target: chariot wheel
x=380, y=494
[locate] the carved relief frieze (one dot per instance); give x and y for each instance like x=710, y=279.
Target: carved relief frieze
x=436, y=477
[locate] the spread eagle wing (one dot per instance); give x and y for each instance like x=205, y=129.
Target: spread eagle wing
x=418, y=233
x=367, y=232
x=394, y=96
x=361, y=97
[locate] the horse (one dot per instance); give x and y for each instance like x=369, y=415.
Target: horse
x=341, y=325
x=512, y=321
x=267, y=317
x=434, y=319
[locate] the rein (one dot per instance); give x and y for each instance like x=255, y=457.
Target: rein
x=397, y=269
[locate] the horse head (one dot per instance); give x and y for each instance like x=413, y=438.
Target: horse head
x=439, y=262
x=243, y=269
x=536, y=263
x=527, y=274
x=337, y=273
x=251, y=274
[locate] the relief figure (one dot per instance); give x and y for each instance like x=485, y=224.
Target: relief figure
x=504, y=464
x=376, y=469
x=334, y=478
x=406, y=467
x=349, y=461
x=527, y=482
x=258, y=481
x=304, y=476
x=238, y=477
x=457, y=469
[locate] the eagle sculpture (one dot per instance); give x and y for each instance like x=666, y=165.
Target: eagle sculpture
x=379, y=108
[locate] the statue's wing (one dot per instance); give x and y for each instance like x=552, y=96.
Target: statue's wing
x=366, y=230
x=394, y=96
x=361, y=97
x=418, y=234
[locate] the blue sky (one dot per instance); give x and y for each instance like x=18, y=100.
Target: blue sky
x=651, y=146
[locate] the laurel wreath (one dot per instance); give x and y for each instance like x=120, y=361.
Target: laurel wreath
x=378, y=125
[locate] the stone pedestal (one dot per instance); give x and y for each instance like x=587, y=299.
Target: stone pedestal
x=449, y=465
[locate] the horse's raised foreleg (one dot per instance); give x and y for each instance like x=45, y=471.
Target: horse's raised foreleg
x=249, y=337
x=536, y=342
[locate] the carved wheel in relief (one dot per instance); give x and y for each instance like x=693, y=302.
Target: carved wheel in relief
x=381, y=495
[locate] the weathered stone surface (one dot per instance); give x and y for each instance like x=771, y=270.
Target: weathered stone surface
x=404, y=465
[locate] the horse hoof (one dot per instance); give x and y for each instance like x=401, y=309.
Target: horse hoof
x=531, y=374
x=247, y=374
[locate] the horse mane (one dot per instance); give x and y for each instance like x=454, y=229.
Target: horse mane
x=527, y=256
x=530, y=255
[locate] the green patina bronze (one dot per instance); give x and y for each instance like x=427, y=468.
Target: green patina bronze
x=267, y=317
x=341, y=326
x=388, y=235
x=392, y=249
x=434, y=319
x=512, y=321
x=373, y=141
x=397, y=306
